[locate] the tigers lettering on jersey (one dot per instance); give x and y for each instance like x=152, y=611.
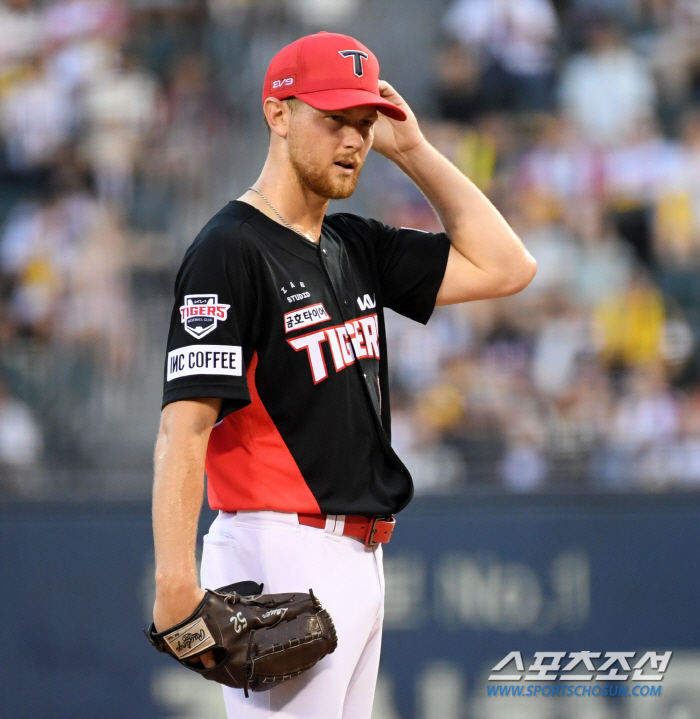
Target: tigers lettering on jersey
x=356, y=339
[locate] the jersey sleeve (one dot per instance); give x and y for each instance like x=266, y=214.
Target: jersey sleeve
x=411, y=265
x=411, y=269
x=210, y=336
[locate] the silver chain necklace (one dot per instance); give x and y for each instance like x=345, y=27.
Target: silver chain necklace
x=282, y=220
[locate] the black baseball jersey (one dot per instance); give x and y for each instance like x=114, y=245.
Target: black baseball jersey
x=290, y=335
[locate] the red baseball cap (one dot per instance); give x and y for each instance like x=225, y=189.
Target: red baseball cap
x=329, y=72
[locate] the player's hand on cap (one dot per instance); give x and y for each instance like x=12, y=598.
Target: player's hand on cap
x=172, y=607
x=391, y=137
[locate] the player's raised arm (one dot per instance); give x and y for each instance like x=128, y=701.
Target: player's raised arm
x=177, y=499
x=487, y=259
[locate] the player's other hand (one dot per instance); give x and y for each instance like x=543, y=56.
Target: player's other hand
x=172, y=607
x=391, y=137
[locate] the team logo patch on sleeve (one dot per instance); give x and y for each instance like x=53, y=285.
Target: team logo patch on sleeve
x=201, y=314
x=305, y=316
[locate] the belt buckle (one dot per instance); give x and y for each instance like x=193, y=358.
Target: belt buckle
x=387, y=519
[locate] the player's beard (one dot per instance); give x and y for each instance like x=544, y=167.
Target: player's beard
x=320, y=181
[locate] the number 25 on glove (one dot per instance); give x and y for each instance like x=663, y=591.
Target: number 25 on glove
x=258, y=640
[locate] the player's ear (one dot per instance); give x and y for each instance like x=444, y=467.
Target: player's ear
x=277, y=115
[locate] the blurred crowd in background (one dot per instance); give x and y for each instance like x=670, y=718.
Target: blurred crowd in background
x=125, y=125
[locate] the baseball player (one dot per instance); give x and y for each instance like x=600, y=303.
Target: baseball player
x=276, y=371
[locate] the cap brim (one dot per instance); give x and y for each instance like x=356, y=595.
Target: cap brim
x=344, y=98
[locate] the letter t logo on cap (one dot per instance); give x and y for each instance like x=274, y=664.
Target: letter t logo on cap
x=357, y=55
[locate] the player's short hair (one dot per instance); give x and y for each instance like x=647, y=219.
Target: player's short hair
x=293, y=104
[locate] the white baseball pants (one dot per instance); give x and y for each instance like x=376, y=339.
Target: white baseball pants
x=346, y=576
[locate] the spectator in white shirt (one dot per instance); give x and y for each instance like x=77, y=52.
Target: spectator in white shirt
x=607, y=89
x=37, y=118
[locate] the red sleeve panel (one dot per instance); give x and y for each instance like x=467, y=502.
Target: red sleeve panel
x=249, y=466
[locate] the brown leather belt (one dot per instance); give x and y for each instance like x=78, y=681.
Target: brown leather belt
x=370, y=530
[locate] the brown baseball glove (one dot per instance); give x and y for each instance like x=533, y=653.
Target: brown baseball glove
x=258, y=640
